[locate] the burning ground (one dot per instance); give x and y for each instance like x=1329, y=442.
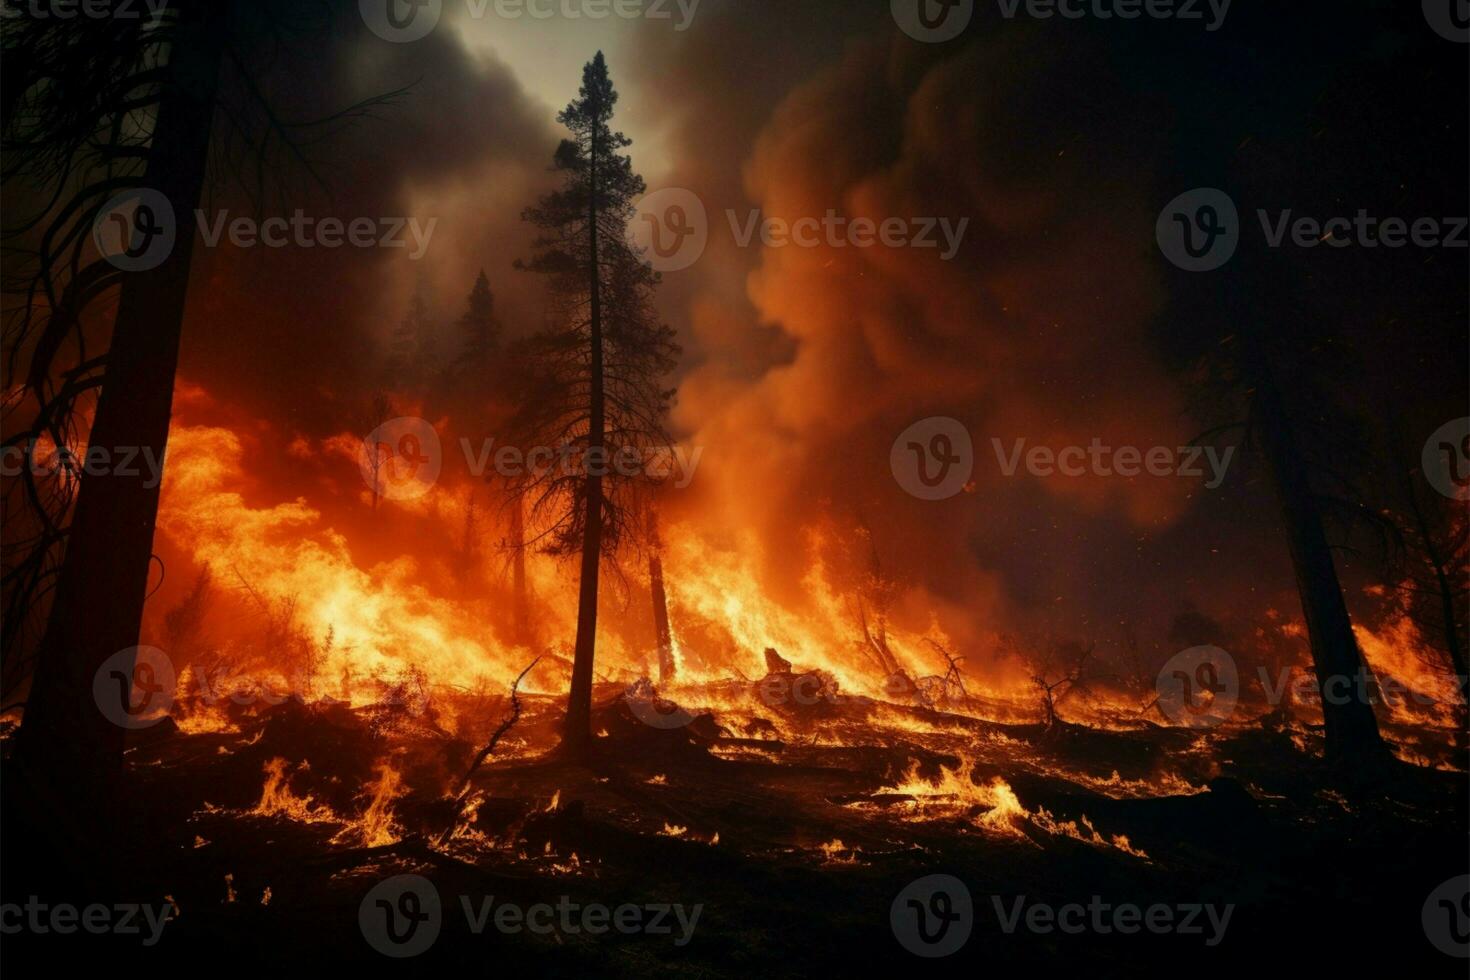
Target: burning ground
x=790, y=813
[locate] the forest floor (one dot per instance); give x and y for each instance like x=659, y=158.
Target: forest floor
x=789, y=846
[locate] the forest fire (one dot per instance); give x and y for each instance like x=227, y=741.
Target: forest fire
x=275, y=605
x=796, y=491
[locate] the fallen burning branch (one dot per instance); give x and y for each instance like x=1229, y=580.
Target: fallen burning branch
x=463, y=792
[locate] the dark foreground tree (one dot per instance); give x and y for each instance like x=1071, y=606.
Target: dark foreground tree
x=590, y=386
x=95, y=108
x=166, y=76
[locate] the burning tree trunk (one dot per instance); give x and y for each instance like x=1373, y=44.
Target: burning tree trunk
x=578, y=727
x=99, y=596
x=520, y=601
x=1351, y=729
x=661, y=619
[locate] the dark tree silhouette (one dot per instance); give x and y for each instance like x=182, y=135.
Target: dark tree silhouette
x=590, y=384
x=411, y=350
x=94, y=108
x=479, y=330
x=1280, y=337
x=98, y=599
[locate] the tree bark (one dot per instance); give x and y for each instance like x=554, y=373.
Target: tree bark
x=1351, y=729
x=65, y=741
x=577, y=729
x=666, y=666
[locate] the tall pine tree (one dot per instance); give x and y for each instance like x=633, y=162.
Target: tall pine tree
x=591, y=382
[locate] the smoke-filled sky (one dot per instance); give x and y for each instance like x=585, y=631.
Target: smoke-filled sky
x=1055, y=142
